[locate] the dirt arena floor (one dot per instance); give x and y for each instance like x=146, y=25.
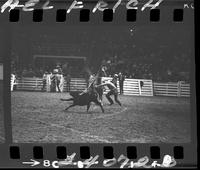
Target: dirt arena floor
x=40, y=117
x=1, y=113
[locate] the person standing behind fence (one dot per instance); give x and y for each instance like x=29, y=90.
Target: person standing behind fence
x=121, y=82
x=61, y=86
x=44, y=80
x=49, y=81
x=53, y=80
x=59, y=81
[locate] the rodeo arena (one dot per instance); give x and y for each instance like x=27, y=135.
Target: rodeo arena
x=59, y=95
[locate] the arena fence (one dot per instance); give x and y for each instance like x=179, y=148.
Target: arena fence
x=179, y=89
x=131, y=87
x=35, y=84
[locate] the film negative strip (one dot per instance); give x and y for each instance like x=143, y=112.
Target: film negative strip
x=97, y=84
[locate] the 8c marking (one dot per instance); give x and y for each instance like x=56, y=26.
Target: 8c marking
x=48, y=163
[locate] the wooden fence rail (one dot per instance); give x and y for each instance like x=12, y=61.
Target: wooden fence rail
x=35, y=84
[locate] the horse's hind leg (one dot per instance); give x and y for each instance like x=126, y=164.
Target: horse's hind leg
x=70, y=106
x=88, y=107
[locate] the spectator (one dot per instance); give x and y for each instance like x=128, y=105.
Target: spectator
x=121, y=82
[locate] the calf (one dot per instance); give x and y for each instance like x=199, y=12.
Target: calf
x=83, y=100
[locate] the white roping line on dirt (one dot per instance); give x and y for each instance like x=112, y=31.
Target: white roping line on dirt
x=84, y=134
x=109, y=115
x=80, y=132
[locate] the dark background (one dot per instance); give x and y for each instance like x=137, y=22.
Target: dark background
x=158, y=52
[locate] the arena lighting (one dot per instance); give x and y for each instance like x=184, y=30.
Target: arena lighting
x=100, y=5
